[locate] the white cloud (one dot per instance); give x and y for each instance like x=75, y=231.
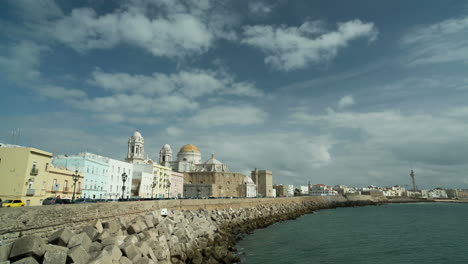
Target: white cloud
x=292, y=48
x=345, y=101
x=191, y=84
x=441, y=42
x=242, y=115
x=57, y=92
x=163, y=28
x=260, y=8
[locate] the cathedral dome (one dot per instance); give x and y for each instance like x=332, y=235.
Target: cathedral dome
x=137, y=134
x=167, y=148
x=189, y=148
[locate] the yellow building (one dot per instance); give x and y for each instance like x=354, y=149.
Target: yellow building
x=161, y=179
x=23, y=174
x=60, y=183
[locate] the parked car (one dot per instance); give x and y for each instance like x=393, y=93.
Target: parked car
x=56, y=200
x=13, y=203
x=84, y=200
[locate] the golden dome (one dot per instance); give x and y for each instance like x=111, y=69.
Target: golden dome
x=189, y=148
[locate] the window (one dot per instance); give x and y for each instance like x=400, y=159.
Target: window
x=87, y=169
x=47, y=166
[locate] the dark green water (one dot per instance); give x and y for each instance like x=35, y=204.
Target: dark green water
x=396, y=233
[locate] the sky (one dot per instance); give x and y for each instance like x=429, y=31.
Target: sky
x=327, y=91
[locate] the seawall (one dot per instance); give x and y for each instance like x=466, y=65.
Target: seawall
x=194, y=231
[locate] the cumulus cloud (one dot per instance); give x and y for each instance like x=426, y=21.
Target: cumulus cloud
x=241, y=115
x=292, y=48
x=57, y=92
x=440, y=42
x=163, y=28
x=192, y=83
x=260, y=8
x=345, y=101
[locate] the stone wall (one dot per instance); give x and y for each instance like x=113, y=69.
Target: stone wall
x=44, y=220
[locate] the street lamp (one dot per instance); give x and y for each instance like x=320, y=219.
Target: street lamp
x=152, y=188
x=124, y=179
x=76, y=177
x=168, y=185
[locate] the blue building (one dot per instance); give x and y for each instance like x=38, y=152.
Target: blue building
x=95, y=169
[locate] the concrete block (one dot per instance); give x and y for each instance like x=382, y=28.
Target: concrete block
x=61, y=237
x=103, y=258
x=80, y=239
x=143, y=246
x=144, y=260
x=125, y=260
x=28, y=260
x=131, y=251
x=55, y=254
x=95, y=247
x=91, y=232
x=134, y=229
x=78, y=255
x=98, y=226
x=103, y=235
x=113, y=226
x=27, y=246
x=5, y=251
x=114, y=251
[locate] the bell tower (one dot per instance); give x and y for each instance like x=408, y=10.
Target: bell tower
x=136, y=148
x=165, y=155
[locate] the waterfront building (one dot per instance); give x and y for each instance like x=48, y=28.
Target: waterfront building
x=142, y=181
x=273, y=192
x=452, y=193
x=161, y=177
x=281, y=190
x=249, y=188
x=116, y=173
x=177, y=184
x=394, y=191
x=24, y=173
x=264, y=181
x=437, y=193
x=322, y=190
x=290, y=190
x=304, y=189
x=60, y=182
x=94, y=169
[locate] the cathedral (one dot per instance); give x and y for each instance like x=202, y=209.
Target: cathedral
x=201, y=179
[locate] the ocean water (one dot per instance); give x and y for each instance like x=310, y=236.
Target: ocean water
x=395, y=233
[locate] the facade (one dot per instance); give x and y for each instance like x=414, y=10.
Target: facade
x=304, y=190
x=115, y=182
x=281, y=190
x=24, y=174
x=225, y=184
x=177, y=184
x=290, y=190
x=198, y=190
x=60, y=183
x=162, y=176
x=264, y=181
x=142, y=181
x=248, y=189
x=94, y=168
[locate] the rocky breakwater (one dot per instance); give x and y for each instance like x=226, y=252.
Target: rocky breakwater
x=181, y=236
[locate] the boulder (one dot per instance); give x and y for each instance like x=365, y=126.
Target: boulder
x=134, y=228
x=28, y=260
x=113, y=226
x=125, y=260
x=80, y=239
x=131, y=251
x=98, y=226
x=78, y=255
x=27, y=246
x=103, y=258
x=91, y=232
x=5, y=251
x=114, y=251
x=55, y=254
x=61, y=237
x=144, y=260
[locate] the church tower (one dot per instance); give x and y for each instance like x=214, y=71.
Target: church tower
x=136, y=150
x=165, y=155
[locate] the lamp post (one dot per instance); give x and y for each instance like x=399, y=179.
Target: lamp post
x=124, y=179
x=75, y=177
x=152, y=188
x=168, y=185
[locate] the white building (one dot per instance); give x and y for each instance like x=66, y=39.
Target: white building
x=290, y=190
x=250, y=187
x=117, y=170
x=142, y=181
x=322, y=190
x=304, y=189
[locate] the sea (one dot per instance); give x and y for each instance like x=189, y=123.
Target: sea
x=394, y=233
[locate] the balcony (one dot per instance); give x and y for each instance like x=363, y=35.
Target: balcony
x=34, y=171
x=30, y=192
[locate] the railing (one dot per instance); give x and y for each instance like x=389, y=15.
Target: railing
x=34, y=171
x=30, y=192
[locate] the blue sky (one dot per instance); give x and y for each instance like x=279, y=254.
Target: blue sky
x=335, y=92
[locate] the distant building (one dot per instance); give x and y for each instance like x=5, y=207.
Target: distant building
x=94, y=168
x=281, y=190
x=24, y=173
x=264, y=181
x=177, y=184
x=437, y=193
x=290, y=190
x=304, y=189
x=198, y=190
x=322, y=190
x=117, y=170
x=60, y=183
